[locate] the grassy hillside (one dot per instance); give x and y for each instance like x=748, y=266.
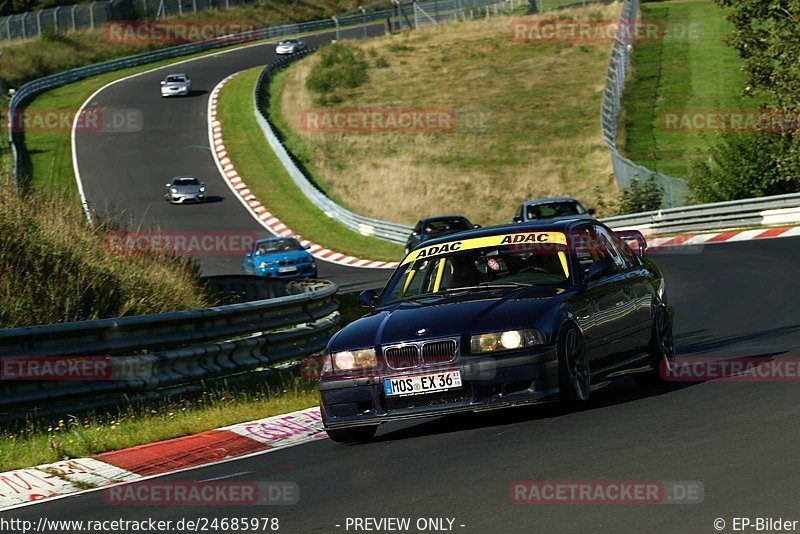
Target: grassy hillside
x=261, y=170
x=54, y=268
x=691, y=69
x=526, y=123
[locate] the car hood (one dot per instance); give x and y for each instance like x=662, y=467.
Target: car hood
x=281, y=256
x=455, y=316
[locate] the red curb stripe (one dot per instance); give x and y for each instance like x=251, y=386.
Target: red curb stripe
x=180, y=453
x=773, y=232
x=724, y=236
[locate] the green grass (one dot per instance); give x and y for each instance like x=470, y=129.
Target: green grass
x=691, y=69
x=76, y=437
x=266, y=178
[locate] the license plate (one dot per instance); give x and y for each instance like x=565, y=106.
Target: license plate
x=421, y=384
x=287, y=269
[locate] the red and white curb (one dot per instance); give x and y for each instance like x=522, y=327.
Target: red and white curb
x=257, y=209
x=26, y=486
x=722, y=237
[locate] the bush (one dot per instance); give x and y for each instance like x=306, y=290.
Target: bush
x=340, y=66
x=746, y=166
x=642, y=196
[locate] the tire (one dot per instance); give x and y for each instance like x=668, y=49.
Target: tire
x=574, y=376
x=357, y=434
x=661, y=349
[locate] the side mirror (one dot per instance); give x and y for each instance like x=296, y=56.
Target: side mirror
x=598, y=269
x=368, y=298
x=306, y=247
x=590, y=211
x=169, y=185
x=476, y=225
x=163, y=82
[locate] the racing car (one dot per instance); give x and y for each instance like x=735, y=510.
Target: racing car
x=498, y=317
x=280, y=257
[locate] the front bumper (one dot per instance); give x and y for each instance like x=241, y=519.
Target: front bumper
x=304, y=270
x=181, y=198
x=179, y=92
x=488, y=383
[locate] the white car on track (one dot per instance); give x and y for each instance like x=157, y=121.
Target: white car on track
x=176, y=85
x=290, y=46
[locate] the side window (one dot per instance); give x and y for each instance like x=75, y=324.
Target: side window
x=584, y=249
x=518, y=214
x=607, y=242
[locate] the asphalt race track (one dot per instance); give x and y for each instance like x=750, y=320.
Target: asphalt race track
x=731, y=300
x=123, y=174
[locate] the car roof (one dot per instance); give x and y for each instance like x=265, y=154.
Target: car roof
x=183, y=178
x=547, y=225
x=442, y=218
x=268, y=239
x=548, y=200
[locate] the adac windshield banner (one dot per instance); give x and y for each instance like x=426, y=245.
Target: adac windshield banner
x=528, y=238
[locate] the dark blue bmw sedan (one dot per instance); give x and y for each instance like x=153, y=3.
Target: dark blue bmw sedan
x=499, y=317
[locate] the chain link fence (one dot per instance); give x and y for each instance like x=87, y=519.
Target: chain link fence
x=675, y=190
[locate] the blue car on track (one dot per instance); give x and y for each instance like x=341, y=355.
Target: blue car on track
x=280, y=257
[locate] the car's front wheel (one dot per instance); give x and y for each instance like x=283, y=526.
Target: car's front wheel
x=357, y=434
x=574, y=377
x=661, y=349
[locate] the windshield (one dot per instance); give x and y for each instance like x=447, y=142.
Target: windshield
x=185, y=181
x=288, y=42
x=176, y=79
x=277, y=245
x=445, y=225
x=554, y=209
x=481, y=264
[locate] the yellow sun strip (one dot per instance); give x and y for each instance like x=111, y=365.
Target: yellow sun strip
x=439, y=274
x=557, y=238
x=409, y=277
x=564, y=265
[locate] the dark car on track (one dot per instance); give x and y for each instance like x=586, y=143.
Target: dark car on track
x=498, y=317
x=552, y=208
x=432, y=227
x=280, y=257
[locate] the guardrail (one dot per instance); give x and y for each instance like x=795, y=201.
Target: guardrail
x=765, y=211
x=396, y=233
x=625, y=171
x=154, y=355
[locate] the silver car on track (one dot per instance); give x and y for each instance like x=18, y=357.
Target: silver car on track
x=185, y=189
x=290, y=46
x=176, y=85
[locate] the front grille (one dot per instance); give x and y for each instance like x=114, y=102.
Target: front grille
x=286, y=262
x=439, y=351
x=402, y=357
x=431, y=399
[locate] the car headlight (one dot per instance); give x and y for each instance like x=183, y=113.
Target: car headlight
x=202, y=189
x=354, y=359
x=173, y=190
x=265, y=264
x=508, y=340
